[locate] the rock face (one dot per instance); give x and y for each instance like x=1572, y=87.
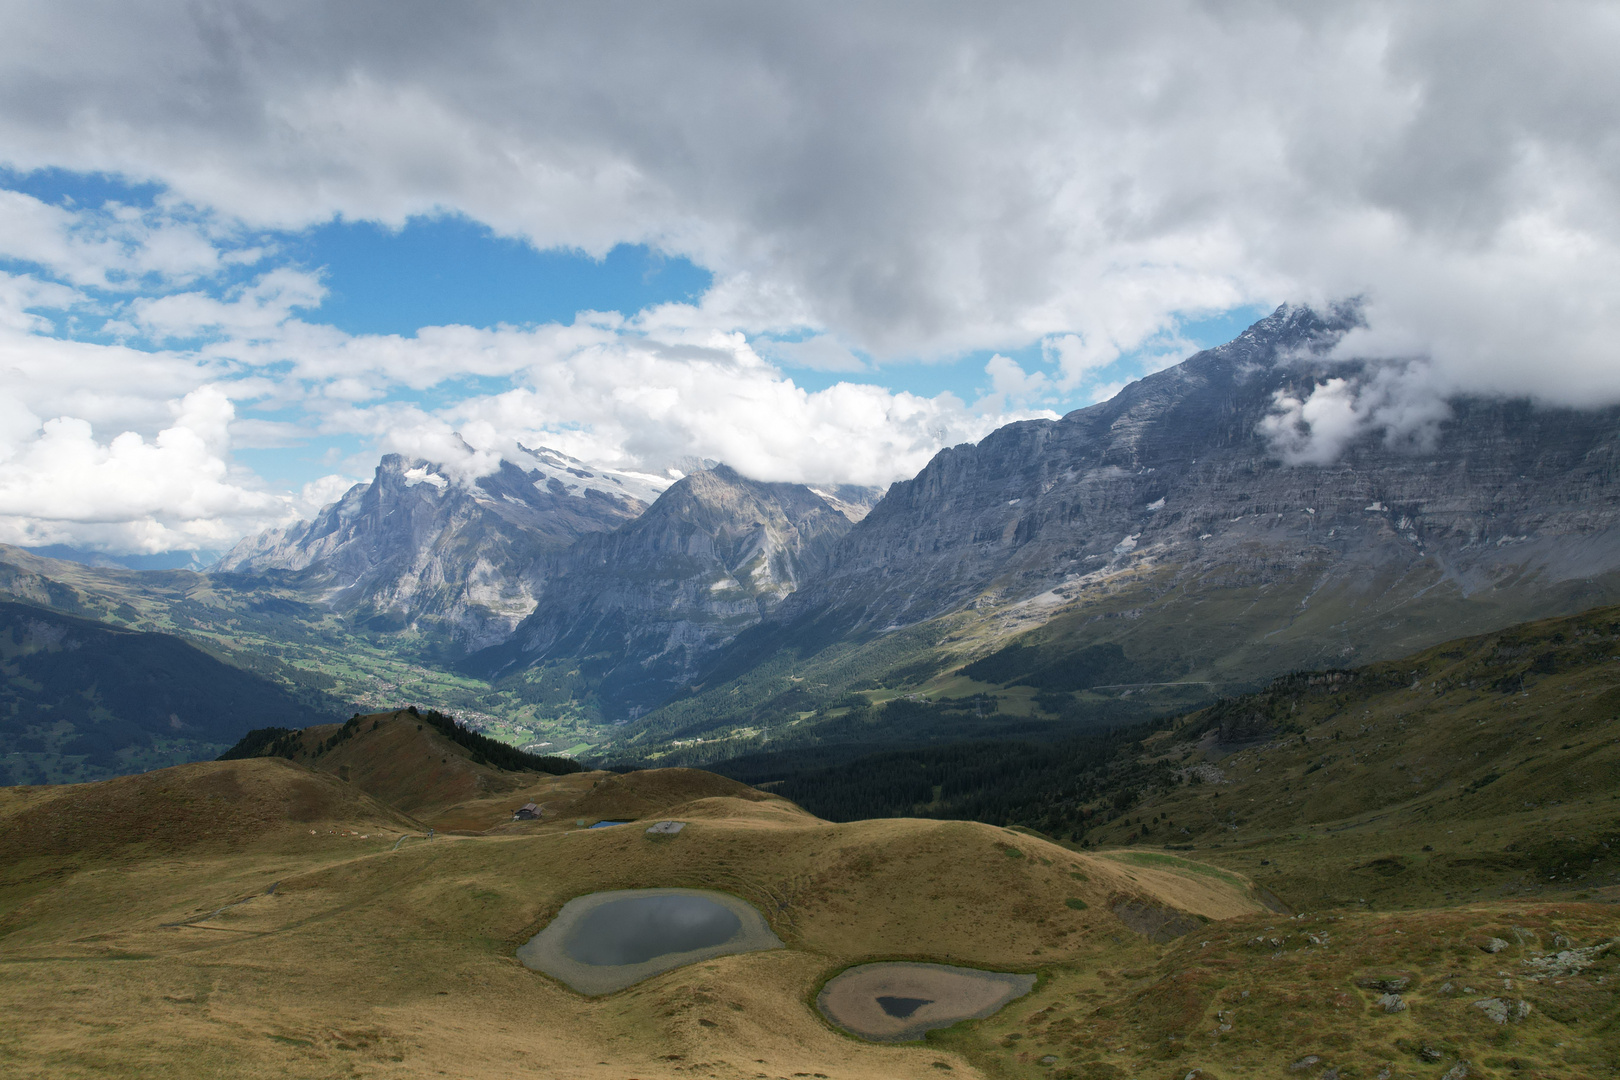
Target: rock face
x=647, y=602
x=415, y=547
x=1176, y=491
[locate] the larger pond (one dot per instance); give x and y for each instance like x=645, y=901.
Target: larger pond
x=640, y=928
x=606, y=941
x=901, y=1001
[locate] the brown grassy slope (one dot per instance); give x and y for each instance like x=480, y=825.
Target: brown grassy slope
x=402, y=760
x=1297, y=997
x=564, y=801
x=554, y=794
x=631, y=796
x=405, y=762
x=211, y=805
x=955, y=889
x=399, y=963
x=84, y=845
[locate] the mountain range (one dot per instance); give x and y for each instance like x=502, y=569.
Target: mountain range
x=1176, y=478
x=1130, y=559
x=645, y=604
x=1158, y=543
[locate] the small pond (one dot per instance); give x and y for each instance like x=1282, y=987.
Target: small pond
x=901, y=1001
x=606, y=941
x=608, y=824
x=638, y=928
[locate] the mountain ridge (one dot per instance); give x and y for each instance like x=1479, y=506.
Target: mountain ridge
x=644, y=603
x=1049, y=498
x=1139, y=554
x=1174, y=471
x=416, y=545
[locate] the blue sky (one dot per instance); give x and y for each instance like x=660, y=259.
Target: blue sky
x=438, y=271
x=448, y=269
x=371, y=282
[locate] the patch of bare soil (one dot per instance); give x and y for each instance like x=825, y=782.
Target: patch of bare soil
x=1154, y=922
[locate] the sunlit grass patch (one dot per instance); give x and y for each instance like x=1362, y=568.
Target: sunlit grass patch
x=1173, y=862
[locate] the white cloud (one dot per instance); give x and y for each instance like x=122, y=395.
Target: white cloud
x=892, y=184
x=642, y=403
x=322, y=492
x=914, y=186
x=1401, y=402
x=1009, y=379
x=1077, y=358
x=247, y=313
x=254, y=434
x=19, y=293
x=820, y=353
x=111, y=387
x=174, y=491
x=1009, y=382
x=107, y=247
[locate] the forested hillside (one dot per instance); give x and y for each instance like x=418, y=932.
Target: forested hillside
x=82, y=700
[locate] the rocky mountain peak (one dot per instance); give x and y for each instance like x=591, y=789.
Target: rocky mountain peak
x=649, y=600
x=421, y=545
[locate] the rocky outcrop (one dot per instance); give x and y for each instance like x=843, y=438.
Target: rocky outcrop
x=418, y=547
x=646, y=603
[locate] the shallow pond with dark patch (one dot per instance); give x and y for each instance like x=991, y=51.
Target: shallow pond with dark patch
x=896, y=1002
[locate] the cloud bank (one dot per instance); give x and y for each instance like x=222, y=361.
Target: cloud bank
x=868, y=183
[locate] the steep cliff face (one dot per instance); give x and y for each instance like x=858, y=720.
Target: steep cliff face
x=415, y=547
x=1176, y=489
x=644, y=604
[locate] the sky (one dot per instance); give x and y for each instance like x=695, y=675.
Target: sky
x=247, y=248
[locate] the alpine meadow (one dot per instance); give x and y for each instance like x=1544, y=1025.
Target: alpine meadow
x=847, y=542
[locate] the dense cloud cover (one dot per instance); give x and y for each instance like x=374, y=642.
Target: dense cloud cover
x=898, y=181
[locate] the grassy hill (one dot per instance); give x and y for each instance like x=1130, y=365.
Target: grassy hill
x=334, y=945
x=1485, y=766
x=83, y=700
x=1400, y=871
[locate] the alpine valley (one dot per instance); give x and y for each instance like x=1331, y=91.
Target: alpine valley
x=1227, y=743
x=1141, y=557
